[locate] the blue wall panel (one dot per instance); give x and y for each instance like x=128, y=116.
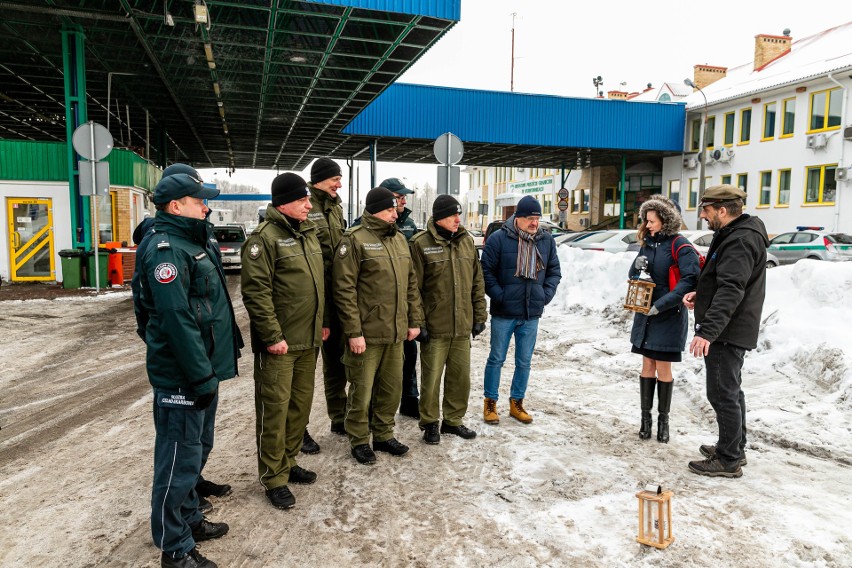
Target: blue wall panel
x=417, y=111
x=443, y=9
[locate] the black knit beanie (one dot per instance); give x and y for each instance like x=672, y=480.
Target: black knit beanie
x=323, y=169
x=379, y=199
x=288, y=187
x=445, y=206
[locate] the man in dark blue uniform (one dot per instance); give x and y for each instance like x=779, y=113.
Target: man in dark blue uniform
x=193, y=343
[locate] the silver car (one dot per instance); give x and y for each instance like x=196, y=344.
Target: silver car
x=231, y=239
x=608, y=241
x=811, y=242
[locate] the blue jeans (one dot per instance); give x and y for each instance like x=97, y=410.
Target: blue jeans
x=724, y=364
x=184, y=438
x=502, y=330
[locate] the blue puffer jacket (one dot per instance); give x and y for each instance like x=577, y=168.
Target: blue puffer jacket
x=513, y=297
x=667, y=330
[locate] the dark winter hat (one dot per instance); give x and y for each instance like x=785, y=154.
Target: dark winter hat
x=323, y=169
x=181, y=169
x=379, y=199
x=288, y=187
x=445, y=206
x=720, y=193
x=180, y=185
x=528, y=207
x=396, y=186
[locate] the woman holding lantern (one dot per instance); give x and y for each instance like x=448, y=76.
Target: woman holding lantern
x=660, y=335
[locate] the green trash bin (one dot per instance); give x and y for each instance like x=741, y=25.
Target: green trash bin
x=103, y=261
x=72, y=267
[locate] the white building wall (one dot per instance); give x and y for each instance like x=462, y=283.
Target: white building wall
x=774, y=155
x=58, y=193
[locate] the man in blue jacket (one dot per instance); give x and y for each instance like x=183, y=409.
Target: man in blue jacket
x=193, y=344
x=521, y=272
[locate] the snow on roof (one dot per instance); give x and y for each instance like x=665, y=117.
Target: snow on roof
x=825, y=52
x=677, y=91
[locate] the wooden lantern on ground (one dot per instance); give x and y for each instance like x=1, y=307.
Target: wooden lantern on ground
x=655, y=517
x=639, y=295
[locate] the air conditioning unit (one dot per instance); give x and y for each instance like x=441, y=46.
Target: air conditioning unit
x=690, y=163
x=584, y=221
x=711, y=156
x=723, y=154
x=847, y=133
x=841, y=174
x=817, y=141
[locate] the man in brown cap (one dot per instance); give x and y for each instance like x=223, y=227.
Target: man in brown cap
x=728, y=302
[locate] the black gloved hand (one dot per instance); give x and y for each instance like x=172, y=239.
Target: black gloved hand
x=423, y=337
x=478, y=328
x=205, y=400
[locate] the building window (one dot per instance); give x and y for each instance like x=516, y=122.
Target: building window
x=576, y=200
x=789, y=118
x=696, y=135
x=745, y=126
x=710, y=133
x=742, y=183
x=612, y=204
x=674, y=190
x=586, y=195
x=693, y=193
x=821, y=186
x=726, y=179
x=784, y=187
x=825, y=110
x=769, y=121
x=729, y=128
x=547, y=205
x=765, y=189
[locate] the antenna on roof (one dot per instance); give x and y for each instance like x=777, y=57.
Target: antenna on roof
x=786, y=31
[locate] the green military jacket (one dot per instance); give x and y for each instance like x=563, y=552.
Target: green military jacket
x=375, y=288
x=449, y=277
x=192, y=336
x=327, y=214
x=283, y=284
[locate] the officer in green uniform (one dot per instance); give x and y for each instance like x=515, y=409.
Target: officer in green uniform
x=327, y=214
x=284, y=292
x=193, y=344
x=379, y=307
x=453, y=293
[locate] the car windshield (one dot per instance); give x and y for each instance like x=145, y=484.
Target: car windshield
x=598, y=237
x=841, y=238
x=232, y=235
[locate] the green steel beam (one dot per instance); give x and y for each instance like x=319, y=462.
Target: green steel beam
x=74, y=73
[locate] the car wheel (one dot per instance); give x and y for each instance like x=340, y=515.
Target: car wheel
x=770, y=264
x=814, y=257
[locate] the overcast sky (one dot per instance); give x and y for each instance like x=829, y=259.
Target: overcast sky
x=561, y=46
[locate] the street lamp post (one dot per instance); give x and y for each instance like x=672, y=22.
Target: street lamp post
x=597, y=82
x=702, y=151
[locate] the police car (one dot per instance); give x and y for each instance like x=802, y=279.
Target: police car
x=231, y=239
x=811, y=242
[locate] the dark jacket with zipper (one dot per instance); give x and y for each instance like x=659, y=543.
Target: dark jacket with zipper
x=667, y=330
x=513, y=297
x=732, y=285
x=192, y=337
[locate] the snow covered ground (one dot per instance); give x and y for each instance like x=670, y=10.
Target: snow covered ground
x=76, y=441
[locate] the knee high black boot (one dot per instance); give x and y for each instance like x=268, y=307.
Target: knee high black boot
x=646, y=396
x=664, y=392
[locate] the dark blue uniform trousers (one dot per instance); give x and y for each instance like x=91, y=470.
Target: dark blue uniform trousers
x=184, y=438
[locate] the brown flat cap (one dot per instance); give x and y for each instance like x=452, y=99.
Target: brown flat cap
x=719, y=193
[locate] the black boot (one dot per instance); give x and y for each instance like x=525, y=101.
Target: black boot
x=646, y=396
x=664, y=393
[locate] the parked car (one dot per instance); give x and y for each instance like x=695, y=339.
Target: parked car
x=576, y=236
x=699, y=239
x=478, y=238
x=608, y=241
x=771, y=260
x=811, y=242
x=230, y=239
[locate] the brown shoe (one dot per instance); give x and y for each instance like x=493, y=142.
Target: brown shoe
x=490, y=412
x=516, y=410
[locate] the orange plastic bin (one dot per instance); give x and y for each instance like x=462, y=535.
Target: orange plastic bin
x=115, y=267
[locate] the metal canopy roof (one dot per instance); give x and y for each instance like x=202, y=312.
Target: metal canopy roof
x=513, y=129
x=268, y=84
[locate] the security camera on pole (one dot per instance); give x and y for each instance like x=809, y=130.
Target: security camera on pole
x=449, y=151
x=93, y=142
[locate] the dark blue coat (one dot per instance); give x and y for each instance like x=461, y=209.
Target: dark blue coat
x=667, y=330
x=513, y=297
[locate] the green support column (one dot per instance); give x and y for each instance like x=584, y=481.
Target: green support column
x=623, y=182
x=74, y=68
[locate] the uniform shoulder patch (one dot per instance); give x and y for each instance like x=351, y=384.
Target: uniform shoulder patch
x=254, y=251
x=165, y=272
x=343, y=250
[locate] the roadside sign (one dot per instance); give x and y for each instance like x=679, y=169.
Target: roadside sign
x=562, y=193
x=448, y=149
x=92, y=141
x=563, y=205
x=445, y=178
x=94, y=177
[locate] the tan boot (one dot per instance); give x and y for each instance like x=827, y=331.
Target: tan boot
x=516, y=410
x=490, y=411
